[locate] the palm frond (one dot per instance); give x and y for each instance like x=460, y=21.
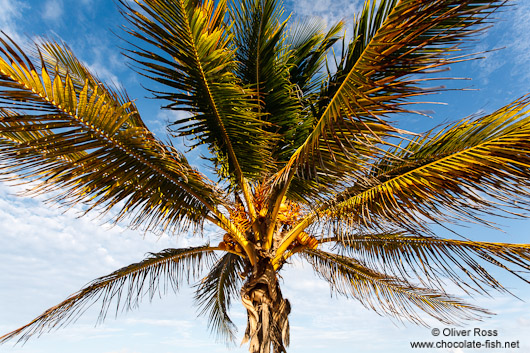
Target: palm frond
x=473, y=168
x=125, y=287
x=387, y=294
x=392, y=42
x=71, y=135
x=309, y=44
x=264, y=67
x=430, y=259
x=215, y=292
x=305, y=48
x=58, y=57
x=188, y=50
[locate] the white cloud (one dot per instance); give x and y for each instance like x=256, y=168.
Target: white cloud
x=164, y=118
x=56, y=253
x=178, y=324
x=507, y=43
x=329, y=11
x=523, y=321
x=520, y=44
x=103, y=73
x=10, y=12
x=53, y=10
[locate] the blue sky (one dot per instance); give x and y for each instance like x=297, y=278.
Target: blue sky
x=48, y=253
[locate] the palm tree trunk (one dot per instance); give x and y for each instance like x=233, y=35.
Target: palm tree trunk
x=267, y=311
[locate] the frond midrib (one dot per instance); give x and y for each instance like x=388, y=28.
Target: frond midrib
x=103, y=136
x=321, y=122
x=444, y=157
x=239, y=173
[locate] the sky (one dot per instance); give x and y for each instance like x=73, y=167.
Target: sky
x=47, y=253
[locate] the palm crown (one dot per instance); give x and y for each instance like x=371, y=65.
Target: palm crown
x=307, y=161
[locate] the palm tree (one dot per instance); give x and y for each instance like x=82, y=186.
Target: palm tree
x=307, y=161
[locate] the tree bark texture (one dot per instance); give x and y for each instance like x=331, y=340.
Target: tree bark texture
x=267, y=311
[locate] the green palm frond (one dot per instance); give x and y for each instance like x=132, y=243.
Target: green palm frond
x=306, y=47
x=386, y=294
x=309, y=44
x=215, y=292
x=189, y=52
x=258, y=33
x=72, y=135
x=125, y=287
x=473, y=168
x=393, y=44
x=259, y=36
x=430, y=259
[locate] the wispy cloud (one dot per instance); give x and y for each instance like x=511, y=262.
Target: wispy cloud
x=178, y=324
x=56, y=253
x=327, y=10
x=508, y=45
x=10, y=12
x=53, y=10
x=520, y=44
x=97, y=50
x=103, y=73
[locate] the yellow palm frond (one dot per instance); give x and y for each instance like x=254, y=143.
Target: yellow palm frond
x=72, y=135
x=453, y=175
